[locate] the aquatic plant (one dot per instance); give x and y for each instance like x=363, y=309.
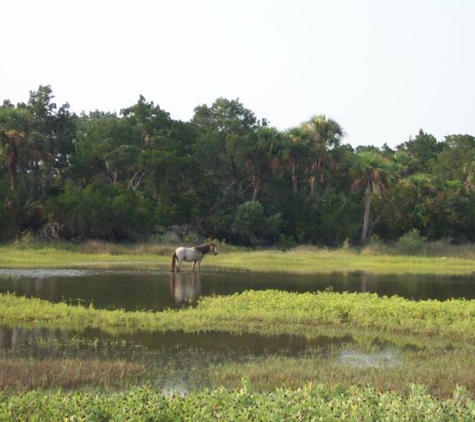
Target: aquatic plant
x=265, y=312
x=307, y=403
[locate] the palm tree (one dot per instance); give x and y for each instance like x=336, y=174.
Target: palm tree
x=14, y=135
x=323, y=134
x=371, y=171
x=296, y=153
x=261, y=152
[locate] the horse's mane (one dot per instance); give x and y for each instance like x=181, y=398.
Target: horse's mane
x=205, y=248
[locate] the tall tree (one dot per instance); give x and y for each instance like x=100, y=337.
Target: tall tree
x=371, y=171
x=262, y=153
x=53, y=133
x=15, y=137
x=324, y=134
x=220, y=129
x=456, y=161
x=154, y=126
x=296, y=154
x=107, y=150
x=423, y=148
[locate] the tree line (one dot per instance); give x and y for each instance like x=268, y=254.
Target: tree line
x=225, y=174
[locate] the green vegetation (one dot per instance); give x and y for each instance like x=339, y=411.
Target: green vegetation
x=265, y=312
x=306, y=403
x=140, y=175
x=372, y=259
x=440, y=370
x=432, y=344
x=75, y=182
x=385, y=362
x=27, y=374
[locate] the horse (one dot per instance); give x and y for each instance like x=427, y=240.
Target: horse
x=194, y=254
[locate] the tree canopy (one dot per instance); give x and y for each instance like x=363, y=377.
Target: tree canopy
x=225, y=174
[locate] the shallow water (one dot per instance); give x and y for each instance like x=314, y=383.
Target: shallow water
x=158, y=290
x=183, y=359
x=181, y=362
x=36, y=341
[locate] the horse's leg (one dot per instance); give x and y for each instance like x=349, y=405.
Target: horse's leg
x=194, y=263
x=199, y=266
x=179, y=265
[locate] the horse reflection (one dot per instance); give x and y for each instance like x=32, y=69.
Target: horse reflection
x=184, y=288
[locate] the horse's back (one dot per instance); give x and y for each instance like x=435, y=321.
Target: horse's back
x=188, y=254
x=179, y=251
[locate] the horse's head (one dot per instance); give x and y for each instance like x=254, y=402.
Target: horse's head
x=212, y=248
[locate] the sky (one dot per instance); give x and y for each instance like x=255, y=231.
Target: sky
x=383, y=69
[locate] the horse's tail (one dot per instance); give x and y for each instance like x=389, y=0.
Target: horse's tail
x=174, y=258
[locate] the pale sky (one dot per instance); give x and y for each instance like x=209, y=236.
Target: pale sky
x=383, y=69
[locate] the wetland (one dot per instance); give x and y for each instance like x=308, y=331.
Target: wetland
x=116, y=329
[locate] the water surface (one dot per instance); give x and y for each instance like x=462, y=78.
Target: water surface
x=182, y=360
x=158, y=290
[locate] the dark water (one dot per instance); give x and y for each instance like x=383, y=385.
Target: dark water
x=135, y=290
x=189, y=355
x=38, y=341
x=179, y=362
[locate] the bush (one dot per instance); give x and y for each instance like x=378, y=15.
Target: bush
x=253, y=226
x=100, y=212
x=411, y=243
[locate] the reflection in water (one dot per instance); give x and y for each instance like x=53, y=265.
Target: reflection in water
x=186, y=288
x=182, y=361
x=158, y=290
x=18, y=339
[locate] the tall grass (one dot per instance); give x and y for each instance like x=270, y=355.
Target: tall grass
x=26, y=374
x=302, y=259
x=412, y=243
x=439, y=370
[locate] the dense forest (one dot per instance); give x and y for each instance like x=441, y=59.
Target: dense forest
x=225, y=175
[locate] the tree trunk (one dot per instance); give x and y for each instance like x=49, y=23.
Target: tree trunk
x=12, y=164
x=294, y=180
x=367, y=205
x=313, y=179
x=257, y=188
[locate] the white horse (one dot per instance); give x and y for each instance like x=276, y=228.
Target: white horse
x=194, y=254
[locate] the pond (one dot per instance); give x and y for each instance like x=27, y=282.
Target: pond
x=158, y=290
x=180, y=362
x=182, y=359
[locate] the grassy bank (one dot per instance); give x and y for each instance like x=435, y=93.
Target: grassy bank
x=307, y=403
x=264, y=312
x=298, y=260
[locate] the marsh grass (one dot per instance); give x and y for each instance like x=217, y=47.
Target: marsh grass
x=266, y=312
x=382, y=363
x=412, y=243
x=453, y=260
x=341, y=261
x=441, y=364
x=19, y=374
x=441, y=373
